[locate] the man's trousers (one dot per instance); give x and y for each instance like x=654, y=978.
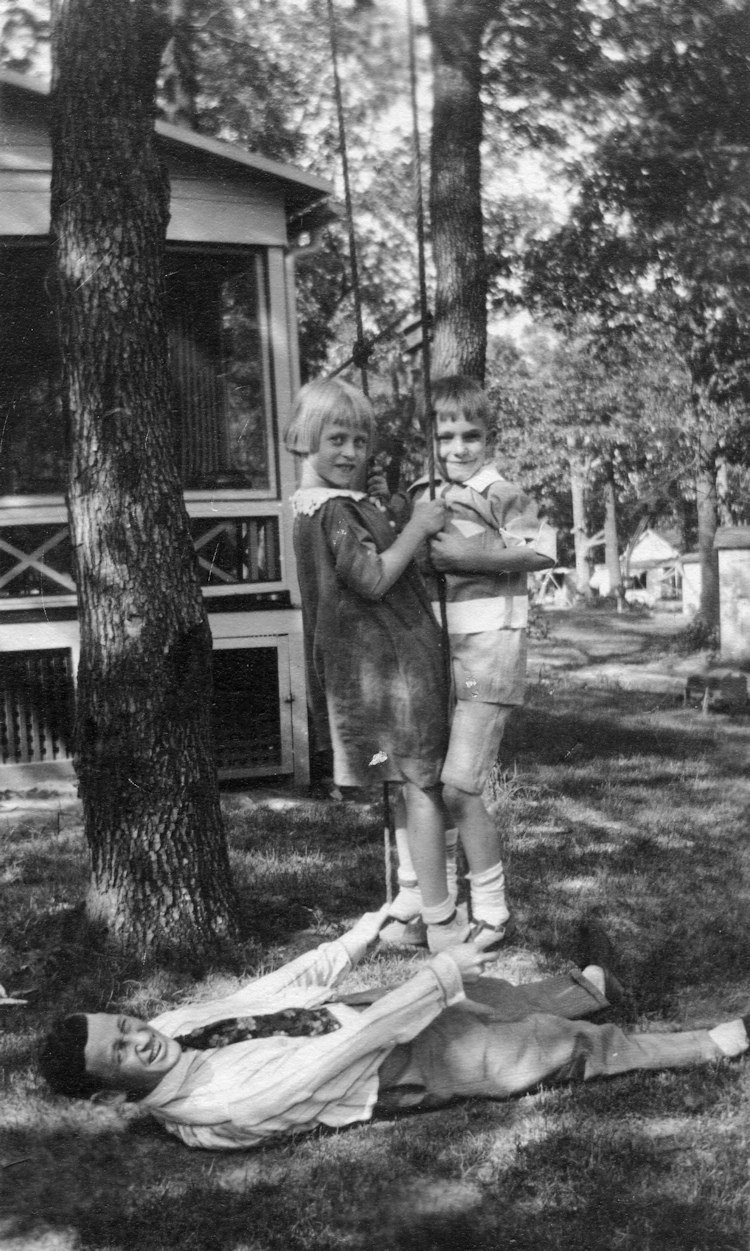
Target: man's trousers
x=508, y=1039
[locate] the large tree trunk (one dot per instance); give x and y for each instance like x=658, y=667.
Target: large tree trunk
x=580, y=536
x=708, y=521
x=159, y=864
x=460, y=335
x=611, y=541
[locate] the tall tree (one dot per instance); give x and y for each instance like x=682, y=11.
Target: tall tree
x=159, y=863
x=460, y=335
x=662, y=224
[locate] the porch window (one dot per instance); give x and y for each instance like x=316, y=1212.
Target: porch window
x=221, y=381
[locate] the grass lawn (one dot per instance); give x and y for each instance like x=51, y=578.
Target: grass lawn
x=613, y=804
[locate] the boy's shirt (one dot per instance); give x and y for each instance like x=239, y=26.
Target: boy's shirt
x=488, y=612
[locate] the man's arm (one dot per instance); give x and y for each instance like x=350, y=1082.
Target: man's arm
x=250, y=1094
x=324, y=966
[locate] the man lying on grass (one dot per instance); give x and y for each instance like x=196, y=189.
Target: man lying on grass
x=285, y=1053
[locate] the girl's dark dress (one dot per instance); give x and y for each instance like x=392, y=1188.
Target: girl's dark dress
x=375, y=664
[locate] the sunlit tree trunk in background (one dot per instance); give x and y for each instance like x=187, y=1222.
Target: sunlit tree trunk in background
x=460, y=335
x=708, y=521
x=159, y=865
x=580, y=536
x=611, y=541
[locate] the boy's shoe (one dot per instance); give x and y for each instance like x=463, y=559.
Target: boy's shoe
x=404, y=934
x=449, y=934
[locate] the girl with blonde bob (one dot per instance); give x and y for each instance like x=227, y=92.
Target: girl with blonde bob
x=376, y=673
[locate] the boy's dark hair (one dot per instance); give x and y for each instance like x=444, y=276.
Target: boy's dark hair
x=62, y=1060
x=460, y=394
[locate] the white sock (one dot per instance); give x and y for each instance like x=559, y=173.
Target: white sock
x=408, y=901
x=488, y=896
x=439, y=913
x=451, y=862
x=730, y=1037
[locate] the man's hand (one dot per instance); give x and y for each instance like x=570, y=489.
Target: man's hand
x=370, y=924
x=471, y=962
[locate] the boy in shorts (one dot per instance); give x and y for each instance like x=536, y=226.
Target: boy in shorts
x=492, y=541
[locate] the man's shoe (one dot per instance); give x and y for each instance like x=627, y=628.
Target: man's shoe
x=404, y=934
x=606, y=983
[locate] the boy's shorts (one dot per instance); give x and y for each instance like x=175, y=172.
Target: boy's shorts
x=476, y=733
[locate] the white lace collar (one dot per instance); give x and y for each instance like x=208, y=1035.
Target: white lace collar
x=307, y=500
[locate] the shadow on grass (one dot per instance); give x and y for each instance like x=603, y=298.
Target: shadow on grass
x=408, y=1185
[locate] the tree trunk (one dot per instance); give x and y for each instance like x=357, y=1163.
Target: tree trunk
x=708, y=521
x=159, y=864
x=611, y=543
x=460, y=334
x=580, y=537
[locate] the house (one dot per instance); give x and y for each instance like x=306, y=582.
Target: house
x=652, y=567
x=235, y=217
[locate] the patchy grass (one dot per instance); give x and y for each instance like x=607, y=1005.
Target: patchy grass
x=613, y=806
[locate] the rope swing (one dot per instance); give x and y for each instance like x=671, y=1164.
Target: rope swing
x=363, y=347
x=361, y=352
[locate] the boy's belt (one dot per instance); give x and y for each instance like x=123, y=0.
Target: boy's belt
x=474, y=616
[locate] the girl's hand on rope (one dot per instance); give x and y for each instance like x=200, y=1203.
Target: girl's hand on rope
x=377, y=486
x=429, y=517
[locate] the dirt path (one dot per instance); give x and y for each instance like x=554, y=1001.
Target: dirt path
x=596, y=647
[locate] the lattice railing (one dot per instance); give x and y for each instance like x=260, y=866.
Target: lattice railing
x=35, y=560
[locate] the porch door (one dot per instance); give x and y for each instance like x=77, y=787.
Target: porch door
x=252, y=706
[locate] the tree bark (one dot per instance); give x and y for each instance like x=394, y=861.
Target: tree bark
x=708, y=521
x=460, y=333
x=160, y=877
x=611, y=542
x=580, y=537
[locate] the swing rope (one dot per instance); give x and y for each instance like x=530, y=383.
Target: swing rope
x=429, y=412
x=363, y=347
x=361, y=353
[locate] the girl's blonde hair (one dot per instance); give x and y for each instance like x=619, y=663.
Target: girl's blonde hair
x=328, y=399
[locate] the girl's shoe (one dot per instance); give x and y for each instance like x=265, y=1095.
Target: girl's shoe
x=404, y=934
x=450, y=934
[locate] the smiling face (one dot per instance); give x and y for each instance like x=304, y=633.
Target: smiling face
x=124, y=1053
x=461, y=446
x=341, y=454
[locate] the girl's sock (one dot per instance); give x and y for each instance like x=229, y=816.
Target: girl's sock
x=408, y=901
x=488, y=896
x=439, y=914
x=451, y=862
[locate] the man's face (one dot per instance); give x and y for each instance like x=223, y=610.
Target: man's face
x=461, y=447
x=125, y=1053
x=341, y=455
